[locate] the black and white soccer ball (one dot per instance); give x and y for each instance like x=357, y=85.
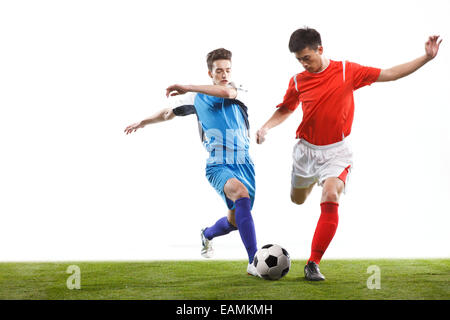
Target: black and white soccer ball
x=272, y=262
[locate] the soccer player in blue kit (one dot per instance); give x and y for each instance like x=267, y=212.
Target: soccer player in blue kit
x=224, y=129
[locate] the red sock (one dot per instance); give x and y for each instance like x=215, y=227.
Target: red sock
x=325, y=230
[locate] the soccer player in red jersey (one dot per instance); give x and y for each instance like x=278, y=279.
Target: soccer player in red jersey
x=322, y=154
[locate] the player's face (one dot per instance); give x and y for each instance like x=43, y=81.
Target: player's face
x=310, y=59
x=221, y=72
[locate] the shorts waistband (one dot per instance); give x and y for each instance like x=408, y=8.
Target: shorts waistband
x=327, y=146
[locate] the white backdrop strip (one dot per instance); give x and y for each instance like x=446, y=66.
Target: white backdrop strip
x=74, y=74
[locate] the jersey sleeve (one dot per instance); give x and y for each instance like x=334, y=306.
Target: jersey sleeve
x=292, y=95
x=183, y=105
x=242, y=92
x=185, y=110
x=362, y=75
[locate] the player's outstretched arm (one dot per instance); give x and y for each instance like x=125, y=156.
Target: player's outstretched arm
x=161, y=115
x=211, y=90
x=400, y=71
x=278, y=117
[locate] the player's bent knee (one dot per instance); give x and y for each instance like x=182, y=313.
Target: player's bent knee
x=241, y=193
x=234, y=189
x=237, y=192
x=299, y=196
x=330, y=196
x=298, y=200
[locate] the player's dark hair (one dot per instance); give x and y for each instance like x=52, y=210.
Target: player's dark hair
x=217, y=54
x=305, y=37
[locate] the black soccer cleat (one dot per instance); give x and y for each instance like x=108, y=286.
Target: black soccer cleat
x=312, y=272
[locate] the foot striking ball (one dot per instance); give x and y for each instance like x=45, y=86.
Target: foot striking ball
x=272, y=262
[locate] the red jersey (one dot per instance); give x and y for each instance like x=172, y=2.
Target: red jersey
x=327, y=100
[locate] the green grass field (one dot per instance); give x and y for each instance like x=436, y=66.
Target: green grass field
x=224, y=280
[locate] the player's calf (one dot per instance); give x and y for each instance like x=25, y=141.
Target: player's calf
x=232, y=217
x=238, y=193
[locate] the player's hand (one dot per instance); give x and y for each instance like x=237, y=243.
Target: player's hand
x=432, y=46
x=175, y=90
x=261, y=135
x=133, y=127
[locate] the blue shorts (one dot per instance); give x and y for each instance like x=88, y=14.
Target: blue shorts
x=219, y=174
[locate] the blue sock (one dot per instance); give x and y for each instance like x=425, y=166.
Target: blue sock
x=246, y=226
x=220, y=228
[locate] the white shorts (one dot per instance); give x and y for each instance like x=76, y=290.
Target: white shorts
x=314, y=164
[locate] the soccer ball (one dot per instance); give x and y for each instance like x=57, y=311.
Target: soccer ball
x=272, y=262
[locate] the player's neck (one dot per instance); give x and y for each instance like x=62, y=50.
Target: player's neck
x=325, y=64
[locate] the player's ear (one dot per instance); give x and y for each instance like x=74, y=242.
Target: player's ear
x=320, y=49
x=210, y=74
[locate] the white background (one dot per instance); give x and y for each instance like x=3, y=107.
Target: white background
x=74, y=74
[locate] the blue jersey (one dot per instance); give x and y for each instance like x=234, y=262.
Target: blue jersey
x=224, y=130
x=223, y=125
